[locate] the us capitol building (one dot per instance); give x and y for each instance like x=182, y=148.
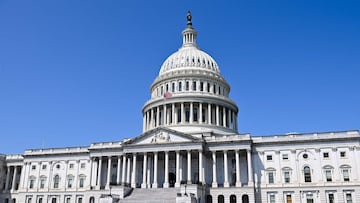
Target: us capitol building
x=190, y=151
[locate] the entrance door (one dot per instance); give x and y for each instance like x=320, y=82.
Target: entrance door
x=172, y=179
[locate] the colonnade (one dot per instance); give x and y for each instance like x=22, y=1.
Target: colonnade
x=11, y=181
x=190, y=113
x=143, y=169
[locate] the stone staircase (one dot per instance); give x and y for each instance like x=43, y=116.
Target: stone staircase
x=152, y=195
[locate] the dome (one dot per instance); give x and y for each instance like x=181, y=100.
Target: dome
x=189, y=56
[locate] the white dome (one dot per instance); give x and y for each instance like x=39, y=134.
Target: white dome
x=189, y=57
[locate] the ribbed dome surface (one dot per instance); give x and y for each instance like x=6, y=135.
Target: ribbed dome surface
x=189, y=57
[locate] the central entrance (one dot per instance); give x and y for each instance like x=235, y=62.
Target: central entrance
x=172, y=179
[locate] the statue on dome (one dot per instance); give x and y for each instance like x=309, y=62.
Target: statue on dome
x=189, y=17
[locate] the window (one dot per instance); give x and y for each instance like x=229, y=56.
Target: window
x=81, y=182
x=195, y=115
x=68, y=199
x=82, y=165
x=342, y=154
x=29, y=200
x=326, y=154
x=269, y=157
x=331, y=198
x=71, y=166
x=272, y=198
x=42, y=183
x=167, y=88
x=56, y=181
x=201, y=86
x=285, y=157
x=288, y=199
x=70, y=182
x=305, y=156
x=187, y=85
x=194, y=86
x=208, y=87
x=271, y=177
x=80, y=200
x=287, y=176
x=43, y=166
x=173, y=87
x=348, y=198
x=33, y=167
x=40, y=200
x=31, y=185
x=309, y=198
x=58, y=166
x=307, y=174
x=180, y=87
x=328, y=175
x=187, y=115
x=53, y=200
x=214, y=88
x=346, y=175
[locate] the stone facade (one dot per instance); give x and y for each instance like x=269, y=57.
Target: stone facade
x=190, y=151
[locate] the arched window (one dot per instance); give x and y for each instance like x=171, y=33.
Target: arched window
x=81, y=180
x=56, y=181
x=92, y=200
x=232, y=198
x=245, y=199
x=221, y=199
x=307, y=174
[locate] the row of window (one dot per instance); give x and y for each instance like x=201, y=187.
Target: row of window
x=181, y=86
x=56, y=180
x=328, y=172
x=57, y=166
x=311, y=198
x=305, y=156
x=67, y=199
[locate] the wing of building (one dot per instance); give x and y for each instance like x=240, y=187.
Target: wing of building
x=190, y=151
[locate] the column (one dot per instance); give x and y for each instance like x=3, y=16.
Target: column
x=250, y=173
x=201, y=167
x=155, y=184
x=165, y=115
x=91, y=171
x=189, y=167
x=118, y=170
x=108, y=173
x=22, y=176
x=143, y=185
x=128, y=170
x=99, y=174
x=144, y=122
x=123, y=170
x=234, y=120
x=166, y=179
x=224, y=116
x=157, y=120
x=238, y=183
x=133, y=177
x=200, y=113
x=229, y=118
x=191, y=112
x=7, y=178
x=353, y=154
x=177, y=183
x=226, y=179
x=209, y=114
x=217, y=115
x=173, y=113
x=182, y=113
x=148, y=172
x=214, y=183
x=14, y=178
x=152, y=123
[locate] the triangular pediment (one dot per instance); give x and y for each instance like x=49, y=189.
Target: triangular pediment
x=162, y=135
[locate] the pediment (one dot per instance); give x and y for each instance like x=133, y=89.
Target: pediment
x=162, y=136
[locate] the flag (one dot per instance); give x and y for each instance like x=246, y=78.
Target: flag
x=167, y=95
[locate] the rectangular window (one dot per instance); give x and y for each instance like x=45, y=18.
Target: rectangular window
x=309, y=198
x=269, y=157
x=194, y=86
x=208, y=87
x=81, y=182
x=33, y=167
x=342, y=154
x=287, y=176
x=29, y=200
x=42, y=183
x=173, y=87
x=68, y=200
x=201, y=86
x=348, y=198
x=285, y=157
x=346, y=175
x=40, y=200
x=71, y=166
x=70, y=182
x=331, y=198
x=80, y=200
x=214, y=89
x=326, y=154
x=167, y=87
x=328, y=175
x=288, y=199
x=272, y=198
x=271, y=177
x=187, y=85
x=180, y=87
x=43, y=166
x=31, y=186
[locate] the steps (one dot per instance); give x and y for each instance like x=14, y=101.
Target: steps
x=152, y=195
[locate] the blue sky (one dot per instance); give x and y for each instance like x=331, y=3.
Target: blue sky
x=77, y=72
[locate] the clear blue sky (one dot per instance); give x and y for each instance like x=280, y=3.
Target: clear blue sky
x=77, y=72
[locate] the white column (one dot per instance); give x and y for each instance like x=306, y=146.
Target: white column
x=353, y=154
x=165, y=115
x=148, y=172
x=209, y=114
x=238, y=183
x=128, y=172
x=250, y=173
x=143, y=185
x=22, y=176
x=189, y=167
x=229, y=118
x=234, y=121
x=133, y=178
x=200, y=113
x=144, y=122
x=118, y=171
x=214, y=183
x=108, y=173
x=155, y=183
x=152, y=119
x=7, y=178
x=123, y=170
x=173, y=113
x=99, y=174
x=166, y=179
x=91, y=171
x=182, y=113
x=224, y=116
x=201, y=167
x=14, y=178
x=177, y=183
x=217, y=115
x=226, y=179
x=191, y=112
